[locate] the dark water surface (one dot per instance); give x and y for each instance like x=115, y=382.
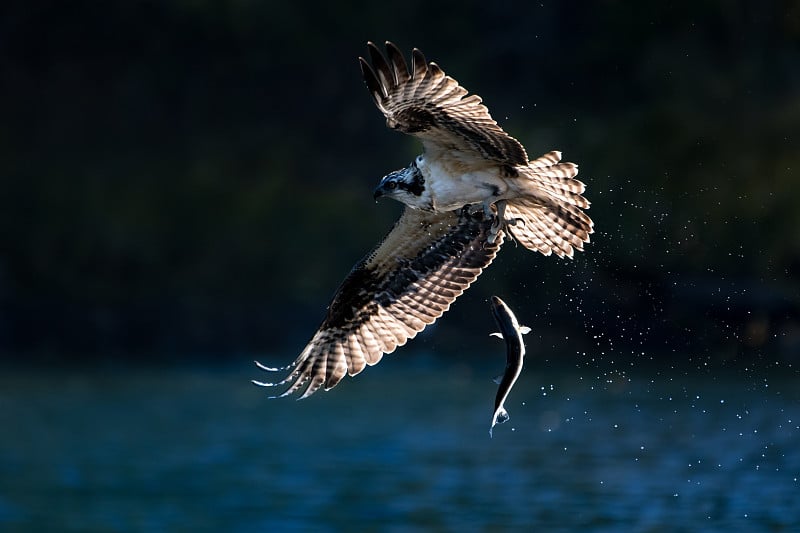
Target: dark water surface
x=403, y=447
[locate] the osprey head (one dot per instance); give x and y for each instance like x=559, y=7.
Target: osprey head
x=405, y=185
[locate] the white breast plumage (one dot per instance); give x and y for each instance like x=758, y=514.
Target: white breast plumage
x=450, y=186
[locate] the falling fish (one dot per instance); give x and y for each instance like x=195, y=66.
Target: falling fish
x=512, y=332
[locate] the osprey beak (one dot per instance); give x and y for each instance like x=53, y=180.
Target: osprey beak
x=378, y=192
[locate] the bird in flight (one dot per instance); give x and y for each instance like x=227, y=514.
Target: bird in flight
x=472, y=185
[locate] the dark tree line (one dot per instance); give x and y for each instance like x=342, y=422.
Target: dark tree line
x=183, y=178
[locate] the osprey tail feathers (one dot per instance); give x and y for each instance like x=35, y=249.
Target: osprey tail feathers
x=547, y=215
x=550, y=179
x=555, y=227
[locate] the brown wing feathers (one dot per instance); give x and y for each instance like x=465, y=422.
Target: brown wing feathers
x=425, y=262
x=428, y=104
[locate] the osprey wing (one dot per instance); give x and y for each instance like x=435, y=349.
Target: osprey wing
x=408, y=281
x=432, y=106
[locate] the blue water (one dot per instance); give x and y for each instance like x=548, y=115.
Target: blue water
x=404, y=446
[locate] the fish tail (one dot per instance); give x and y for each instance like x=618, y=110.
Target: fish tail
x=500, y=416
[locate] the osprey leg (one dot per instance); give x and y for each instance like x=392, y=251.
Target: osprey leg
x=499, y=221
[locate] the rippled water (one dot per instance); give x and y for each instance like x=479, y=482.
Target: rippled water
x=405, y=446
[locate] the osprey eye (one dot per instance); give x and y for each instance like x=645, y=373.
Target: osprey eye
x=391, y=185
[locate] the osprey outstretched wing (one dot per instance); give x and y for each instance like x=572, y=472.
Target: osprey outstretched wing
x=408, y=281
x=432, y=106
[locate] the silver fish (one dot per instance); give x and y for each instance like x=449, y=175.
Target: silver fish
x=512, y=332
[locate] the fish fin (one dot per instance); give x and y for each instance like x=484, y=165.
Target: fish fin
x=496, y=334
x=498, y=378
x=524, y=330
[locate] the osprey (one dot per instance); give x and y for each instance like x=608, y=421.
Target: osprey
x=472, y=184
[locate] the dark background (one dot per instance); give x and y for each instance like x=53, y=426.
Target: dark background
x=185, y=179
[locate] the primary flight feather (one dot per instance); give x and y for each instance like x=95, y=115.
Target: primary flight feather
x=472, y=183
